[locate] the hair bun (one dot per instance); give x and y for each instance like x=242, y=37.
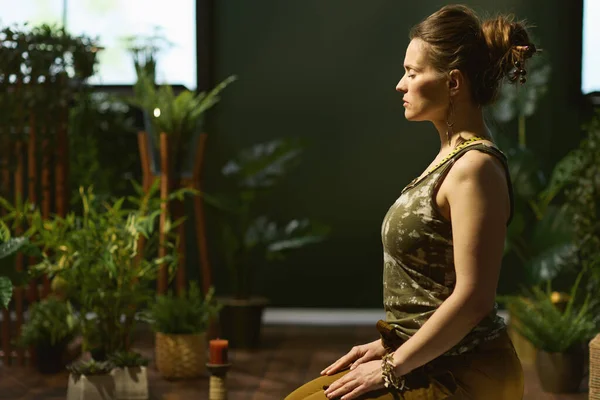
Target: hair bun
x=509, y=48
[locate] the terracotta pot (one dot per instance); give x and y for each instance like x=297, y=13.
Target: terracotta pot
x=240, y=321
x=131, y=383
x=93, y=387
x=560, y=372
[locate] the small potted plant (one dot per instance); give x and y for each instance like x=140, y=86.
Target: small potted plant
x=49, y=329
x=90, y=380
x=558, y=333
x=180, y=322
x=130, y=375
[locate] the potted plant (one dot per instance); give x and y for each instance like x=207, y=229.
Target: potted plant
x=90, y=380
x=96, y=258
x=130, y=375
x=559, y=335
x=249, y=238
x=178, y=116
x=180, y=323
x=49, y=329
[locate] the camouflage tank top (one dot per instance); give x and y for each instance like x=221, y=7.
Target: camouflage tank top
x=419, y=270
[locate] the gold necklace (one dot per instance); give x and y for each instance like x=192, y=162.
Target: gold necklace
x=450, y=155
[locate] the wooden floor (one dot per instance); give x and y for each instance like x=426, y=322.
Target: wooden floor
x=288, y=357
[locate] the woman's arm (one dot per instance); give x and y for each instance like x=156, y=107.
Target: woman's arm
x=477, y=196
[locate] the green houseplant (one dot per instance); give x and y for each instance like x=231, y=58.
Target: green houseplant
x=51, y=325
x=559, y=334
x=180, y=322
x=250, y=238
x=9, y=276
x=179, y=116
x=130, y=375
x=96, y=257
x=90, y=380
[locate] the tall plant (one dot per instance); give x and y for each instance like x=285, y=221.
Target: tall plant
x=249, y=237
x=540, y=235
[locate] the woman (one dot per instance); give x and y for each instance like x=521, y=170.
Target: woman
x=443, y=238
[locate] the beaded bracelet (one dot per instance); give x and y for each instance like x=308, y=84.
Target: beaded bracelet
x=389, y=377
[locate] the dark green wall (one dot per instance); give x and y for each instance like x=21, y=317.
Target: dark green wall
x=326, y=71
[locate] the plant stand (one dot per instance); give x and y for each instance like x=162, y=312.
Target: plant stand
x=217, y=388
x=93, y=387
x=131, y=383
x=168, y=184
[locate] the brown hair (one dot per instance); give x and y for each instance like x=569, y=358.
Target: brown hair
x=485, y=52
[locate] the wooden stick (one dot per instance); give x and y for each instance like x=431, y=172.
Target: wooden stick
x=181, y=266
x=61, y=165
x=146, y=183
x=164, y=194
x=205, y=269
x=32, y=294
x=46, y=192
x=18, y=294
x=6, y=318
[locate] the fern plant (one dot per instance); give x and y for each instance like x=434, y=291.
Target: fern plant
x=546, y=326
x=188, y=313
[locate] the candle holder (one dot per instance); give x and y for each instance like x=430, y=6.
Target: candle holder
x=217, y=389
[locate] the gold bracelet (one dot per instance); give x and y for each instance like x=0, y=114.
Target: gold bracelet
x=389, y=377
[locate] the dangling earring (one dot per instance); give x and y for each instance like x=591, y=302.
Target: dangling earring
x=449, y=123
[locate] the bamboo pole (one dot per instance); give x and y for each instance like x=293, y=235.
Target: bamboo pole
x=5, y=177
x=18, y=294
x=61, y=167
x=32, y=294
x=181, y=266
x=46, y=192
x=146, y=183
x=164, y=194
x=205, y=269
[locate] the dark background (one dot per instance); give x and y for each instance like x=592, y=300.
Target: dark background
x=326, y=71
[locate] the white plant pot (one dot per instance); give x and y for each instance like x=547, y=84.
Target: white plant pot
x=93, y=387
x=131, y=383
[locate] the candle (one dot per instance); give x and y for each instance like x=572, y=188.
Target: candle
x=218, y=351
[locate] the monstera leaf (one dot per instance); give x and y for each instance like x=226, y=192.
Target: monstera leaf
x=265, y=164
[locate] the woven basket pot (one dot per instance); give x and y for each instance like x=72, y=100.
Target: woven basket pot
x=595, y=368
x=181, y=356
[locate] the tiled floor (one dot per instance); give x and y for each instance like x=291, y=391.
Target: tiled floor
x=289, y=356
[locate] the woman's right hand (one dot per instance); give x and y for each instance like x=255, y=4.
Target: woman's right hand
x=356, y=356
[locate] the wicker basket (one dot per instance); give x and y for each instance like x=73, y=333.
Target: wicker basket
x=181, y=356
x=595, y=368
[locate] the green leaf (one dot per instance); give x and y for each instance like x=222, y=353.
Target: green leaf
x=6, y=290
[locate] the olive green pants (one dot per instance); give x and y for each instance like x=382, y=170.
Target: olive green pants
x=491, y=372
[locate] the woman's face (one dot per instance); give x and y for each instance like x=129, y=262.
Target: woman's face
x=426, y=93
